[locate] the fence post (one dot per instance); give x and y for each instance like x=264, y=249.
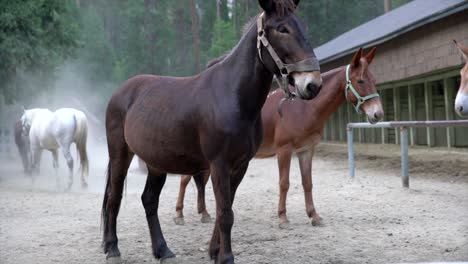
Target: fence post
x=349, y=131
x=404, y=156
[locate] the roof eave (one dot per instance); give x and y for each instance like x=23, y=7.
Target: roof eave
x=444, y=13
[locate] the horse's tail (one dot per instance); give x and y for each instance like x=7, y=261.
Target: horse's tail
x=81, y=135
x=104, y=202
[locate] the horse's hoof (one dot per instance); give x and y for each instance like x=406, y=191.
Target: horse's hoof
x=206, y=219
x=179, y=220
x=114, y=260
x=84, y=185
x=285, y=225
x=173, y=260
x=317, y=221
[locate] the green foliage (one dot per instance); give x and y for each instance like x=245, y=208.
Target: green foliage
x=35, y=37
x=224, y=38
x=113, y=40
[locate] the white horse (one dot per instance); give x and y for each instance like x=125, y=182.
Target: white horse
x=461, y=102
x=54, y=130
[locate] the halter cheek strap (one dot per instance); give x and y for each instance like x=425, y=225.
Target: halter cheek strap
x=360, y=100
x=309, y=64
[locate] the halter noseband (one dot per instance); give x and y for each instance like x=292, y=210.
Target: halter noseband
x=360, y=100
x=309, y=64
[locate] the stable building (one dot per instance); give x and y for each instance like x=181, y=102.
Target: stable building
x=417, y=68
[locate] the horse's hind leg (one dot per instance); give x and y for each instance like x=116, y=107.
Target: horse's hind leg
x=69, y=159
x=150, y=200
x=200, y=180
x=179, y=218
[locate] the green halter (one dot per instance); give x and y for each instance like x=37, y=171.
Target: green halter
x=360, y=100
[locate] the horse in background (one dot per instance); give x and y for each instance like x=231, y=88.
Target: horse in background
x=22, y=143
x=300, y=134
x=57, y=130
x=461, y=102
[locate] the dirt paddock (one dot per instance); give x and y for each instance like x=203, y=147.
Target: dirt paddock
x=370, y=219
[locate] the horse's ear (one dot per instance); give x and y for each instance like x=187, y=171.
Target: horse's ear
x=297, y=2
x=462, y=49
x=356, y=59
x=370, y=55
x=267, y=5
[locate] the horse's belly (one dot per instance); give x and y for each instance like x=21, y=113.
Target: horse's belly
x=306, y=144
x=49, y=143
x=175, y=150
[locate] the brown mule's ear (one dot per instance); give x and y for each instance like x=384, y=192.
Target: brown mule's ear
x=370, y=55
x=356, y=59
x=267, y=5
x=462, y=49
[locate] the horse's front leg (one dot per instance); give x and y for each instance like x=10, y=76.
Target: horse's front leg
x=284, y=163
x=36, y=160
x=200, y=180
x=305, y=163
x=225, y=180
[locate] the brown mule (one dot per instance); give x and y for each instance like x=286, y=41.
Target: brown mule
x=206, y=122
x=301, y=128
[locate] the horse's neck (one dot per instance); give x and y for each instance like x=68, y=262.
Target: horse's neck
x=248, y=78
x=329, y=99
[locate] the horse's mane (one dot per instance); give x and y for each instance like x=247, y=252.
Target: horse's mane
x=282, y=8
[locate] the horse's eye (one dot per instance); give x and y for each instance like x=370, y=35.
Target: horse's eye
x=360, y=81
x=282, y=29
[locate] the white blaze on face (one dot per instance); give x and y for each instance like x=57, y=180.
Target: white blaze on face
x=303, y=79
x=373, y=110
x=461, y=104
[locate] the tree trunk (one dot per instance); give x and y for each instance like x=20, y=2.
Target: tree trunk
x=387, y=5
x=218, y=9
x=196, y=48
x=235, y=18
x=150, y=36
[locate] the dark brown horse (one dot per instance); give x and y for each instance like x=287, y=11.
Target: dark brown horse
x=22, y=143
x=209, y=122
x=301, y=128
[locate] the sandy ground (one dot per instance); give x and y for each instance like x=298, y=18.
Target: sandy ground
x=370, y=219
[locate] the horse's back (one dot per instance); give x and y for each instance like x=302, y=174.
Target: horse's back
x=40, y=132
x=68, y=123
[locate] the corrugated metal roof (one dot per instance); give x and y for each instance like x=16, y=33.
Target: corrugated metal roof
x=385, y=27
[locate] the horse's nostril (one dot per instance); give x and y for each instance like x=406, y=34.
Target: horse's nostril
x=313, y=89
x=460, y=108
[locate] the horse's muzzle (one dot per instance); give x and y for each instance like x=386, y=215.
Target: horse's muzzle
x=308, y=84
x=461, y=105
x=313, y=90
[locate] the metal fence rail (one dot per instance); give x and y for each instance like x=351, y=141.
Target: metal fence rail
x=403, y=125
